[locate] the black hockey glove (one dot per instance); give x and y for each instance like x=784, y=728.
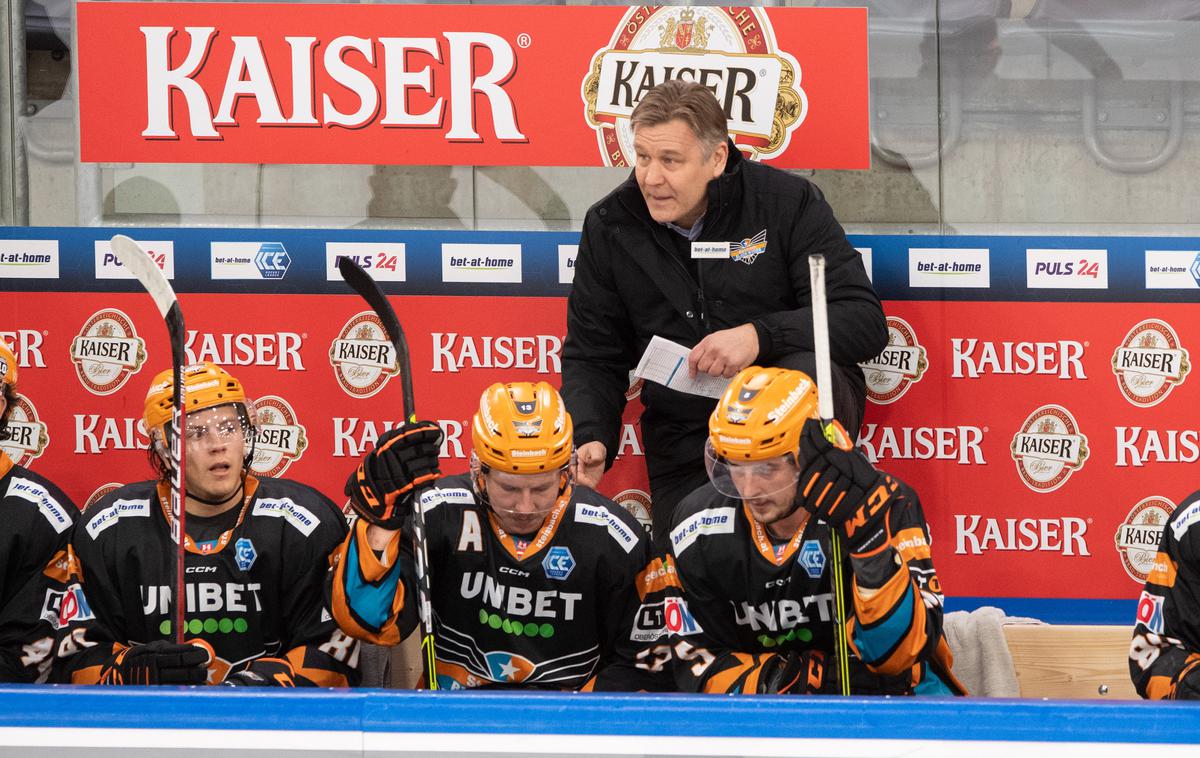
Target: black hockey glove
x=404, y=459
x=264, y=672
x=158, y=662
x=843, y=489
x=792, y=673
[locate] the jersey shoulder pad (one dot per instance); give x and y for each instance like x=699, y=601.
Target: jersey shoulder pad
x=122, y=505
x=23, y=486
x=699, y=516
x=1184, y=517
x=592, y=508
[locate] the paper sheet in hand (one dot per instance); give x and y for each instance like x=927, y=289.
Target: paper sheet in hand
x=665, y=362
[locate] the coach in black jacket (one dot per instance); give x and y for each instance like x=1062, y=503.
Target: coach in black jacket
x=636, y=277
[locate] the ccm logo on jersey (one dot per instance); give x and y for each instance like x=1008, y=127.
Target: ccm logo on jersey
x=656, y=620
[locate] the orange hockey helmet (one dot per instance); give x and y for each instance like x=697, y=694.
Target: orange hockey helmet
x=522, y=428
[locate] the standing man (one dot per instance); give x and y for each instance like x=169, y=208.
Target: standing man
x=646, y=267
x=536, y=581
x=257, y=554
x=35, y=530
x=752, y=570
x=1164, y=656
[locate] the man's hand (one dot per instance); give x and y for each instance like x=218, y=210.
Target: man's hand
x=589, y=464
x=724, y=353
x=158, y=662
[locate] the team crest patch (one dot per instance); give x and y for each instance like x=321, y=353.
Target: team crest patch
x=558, y=563
x=812, y=558
x=748, y=249
x=244, y=553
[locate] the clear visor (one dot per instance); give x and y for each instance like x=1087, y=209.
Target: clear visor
x=750, y=479
x=205, y=428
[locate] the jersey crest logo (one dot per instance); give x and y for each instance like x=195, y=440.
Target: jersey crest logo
x=745, y=251
x=812, y=558
x=558, y=563
x=244, y=553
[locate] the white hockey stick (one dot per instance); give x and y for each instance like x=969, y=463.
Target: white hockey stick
x=151, y=277
x=816, y=271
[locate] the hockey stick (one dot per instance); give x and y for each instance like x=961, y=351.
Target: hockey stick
x=362, y=283
x=816, y=272
x=151, y=277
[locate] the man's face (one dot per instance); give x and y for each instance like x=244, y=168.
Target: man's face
x=673, y=172
x=767, y=487
x=521, y=502
x=216, y=446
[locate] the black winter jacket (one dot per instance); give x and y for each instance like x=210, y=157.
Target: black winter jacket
x=630, y=285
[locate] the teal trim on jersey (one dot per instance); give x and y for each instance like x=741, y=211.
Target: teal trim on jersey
x=931, y=684
x=370, y=602
x=874, y=643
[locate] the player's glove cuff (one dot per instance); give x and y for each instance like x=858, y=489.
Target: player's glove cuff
x=264, y=672
x=840, y=487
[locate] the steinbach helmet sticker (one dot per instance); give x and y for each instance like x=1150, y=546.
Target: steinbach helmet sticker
x=757, y=84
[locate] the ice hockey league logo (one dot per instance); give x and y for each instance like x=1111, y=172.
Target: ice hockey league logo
x=898, y=366
x=1149, y=363
x=362, y=357
x=1048, y=448
x=732, y=50
x=107, y=351
x=279, y=439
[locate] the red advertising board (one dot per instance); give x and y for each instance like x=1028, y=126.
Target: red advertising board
x=458, y=85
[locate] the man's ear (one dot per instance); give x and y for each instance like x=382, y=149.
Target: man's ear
x=719, y=155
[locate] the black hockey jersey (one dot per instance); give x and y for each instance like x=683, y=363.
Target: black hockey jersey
x=1166, y=636
x=37, y=598
x=732, y=599
x=557, y=615
x=256, y=592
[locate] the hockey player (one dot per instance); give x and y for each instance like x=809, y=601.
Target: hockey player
x=1164, y=657
x=35, y=530
x=535, y=580
x=257, y=553
x=749, y=565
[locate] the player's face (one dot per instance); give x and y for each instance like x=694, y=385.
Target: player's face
x=673, y=171
x=767, y=487
x=216, y=445
x=521, y=502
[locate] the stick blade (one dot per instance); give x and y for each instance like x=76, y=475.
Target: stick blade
x=146, y=271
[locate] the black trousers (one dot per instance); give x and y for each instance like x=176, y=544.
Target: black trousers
x=675, y=447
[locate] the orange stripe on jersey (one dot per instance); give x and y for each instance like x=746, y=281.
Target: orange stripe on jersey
x=318, y=676
x=910, y=647
x=89, y=675
x=1160, y=688
x=340, y=605
x=62, y=566
x=369, y=565
x=589, y=686
x=544, y=535
x=874, y=608
x=911, y=544
x=6, y=464
x=658, y=575
x=1163, y=571
x=721, y=682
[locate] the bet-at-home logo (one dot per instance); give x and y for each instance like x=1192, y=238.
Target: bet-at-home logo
x=279, y=439
x=107, y=351
x=1048, y=448
x=730, y=50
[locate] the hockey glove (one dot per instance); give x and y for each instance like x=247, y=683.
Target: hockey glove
x=792, y=673
x=843, y=489
x=264, y=672
x=405, y=458
x=158, y=662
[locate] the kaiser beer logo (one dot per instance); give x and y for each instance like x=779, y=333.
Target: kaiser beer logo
x=362, y=357
x=730, y=50
x=279, y=439
x=900, y=365
x=1138, y=535
x=1049, y=448
x=100, y=492
x=1149, y=363
x=25, y=437
x=107, y=351
x=637, y=503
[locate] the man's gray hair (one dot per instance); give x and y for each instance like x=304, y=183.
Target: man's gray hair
x=690, y=102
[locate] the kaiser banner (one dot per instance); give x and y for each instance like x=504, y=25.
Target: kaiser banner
x=459, y=85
